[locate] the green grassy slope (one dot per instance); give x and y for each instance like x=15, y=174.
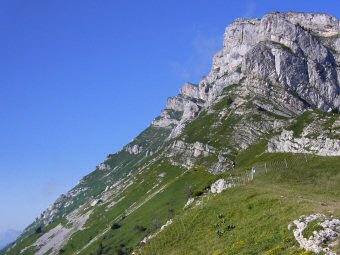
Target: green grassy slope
x=150, y=216
x=145, y=206
x=260, y=211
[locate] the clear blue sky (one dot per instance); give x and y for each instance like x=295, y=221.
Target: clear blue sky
x=81, y=78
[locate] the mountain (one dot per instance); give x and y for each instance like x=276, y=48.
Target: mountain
x=8, y=236
x=245, y=162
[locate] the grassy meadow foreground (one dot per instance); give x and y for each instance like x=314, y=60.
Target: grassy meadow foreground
x=254, y=218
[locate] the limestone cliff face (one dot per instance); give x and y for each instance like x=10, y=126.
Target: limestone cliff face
x=284, y=54
x=185, y=107
x=290, y=60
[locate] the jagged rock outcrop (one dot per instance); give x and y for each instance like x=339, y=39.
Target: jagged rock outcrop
x=190, y=90
x=320, y=23
x=165, y=120
x=220, y=185
x=103, y=167
x=189, y=107
x=186, y=155
x=134, y=149
x=223, y=163
x=319, y=134
x=322, y=240
x=180, y=109
x=322, y=146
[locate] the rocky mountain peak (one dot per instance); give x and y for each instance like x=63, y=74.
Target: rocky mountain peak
x=320, y=23
x=190, y=90
x=290, y=60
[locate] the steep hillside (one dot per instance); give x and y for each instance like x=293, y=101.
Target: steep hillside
x=254, y=218
x=263, y=124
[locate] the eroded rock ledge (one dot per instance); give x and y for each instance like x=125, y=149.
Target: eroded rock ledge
x=322, y=146
x=188, y=155
x=322, y=240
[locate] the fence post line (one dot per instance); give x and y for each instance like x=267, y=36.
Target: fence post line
x=286, y=163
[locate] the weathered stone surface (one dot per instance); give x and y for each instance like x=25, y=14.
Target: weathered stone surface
x=103, y=167
x=219, y=186
x=190, y=90
x=186, y=154
x=96, y=202
x=134, y=149
x=187, y=103
x=321, y=146
x=189, y=202
x=148, y=238
x=319, y=23
x=165, y=120
x=320, y=241
x=53, y=240
x=222, y=165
